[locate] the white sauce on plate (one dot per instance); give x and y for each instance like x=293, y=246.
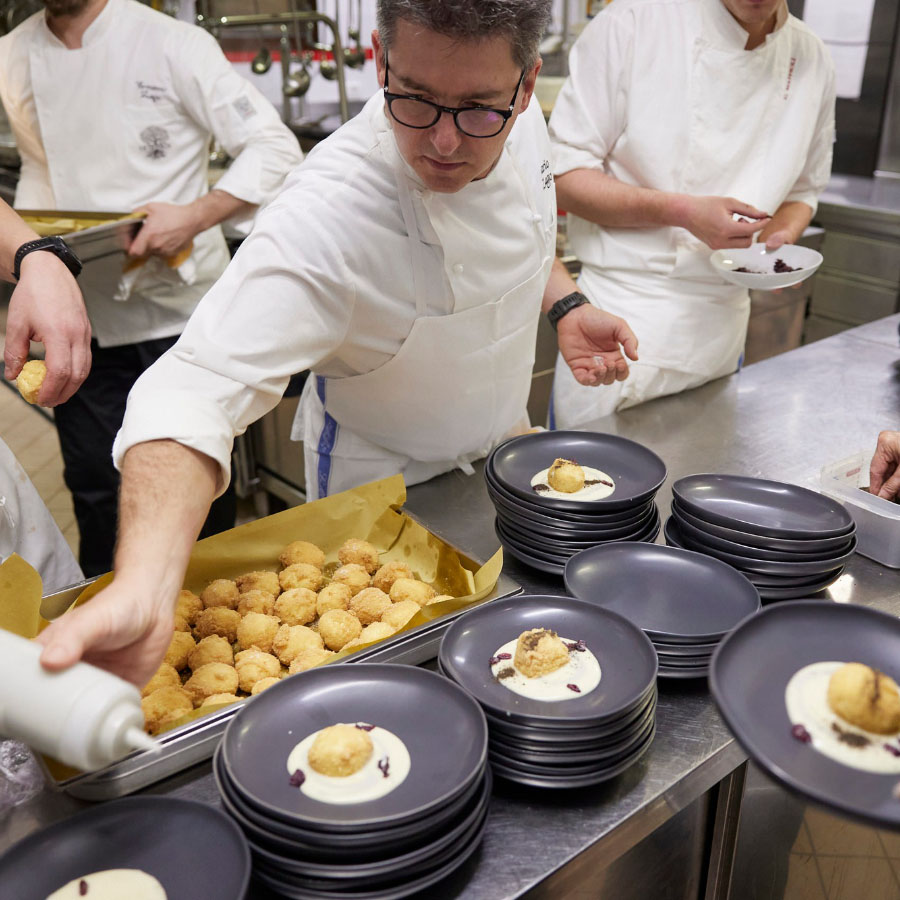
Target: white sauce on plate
x=806, y=699
x=369, y=783
x=582, y=670
x=587, y=493
x=112, y=884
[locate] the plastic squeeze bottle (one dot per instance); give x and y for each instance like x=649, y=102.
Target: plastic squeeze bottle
x=82, y=716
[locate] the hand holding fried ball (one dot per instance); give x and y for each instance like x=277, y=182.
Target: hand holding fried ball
x=539, y=652
x=340, y=750
x=566, y=476
x=31, y=378
x=866, y=698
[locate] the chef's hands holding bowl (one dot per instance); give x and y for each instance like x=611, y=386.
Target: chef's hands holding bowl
x=884, y=470
x=595, y=345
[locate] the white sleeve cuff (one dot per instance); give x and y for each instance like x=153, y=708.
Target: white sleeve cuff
x=567, y=158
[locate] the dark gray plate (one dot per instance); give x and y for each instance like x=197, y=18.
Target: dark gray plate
x=684, y=649
x=751, y=670
x=802, y=545
x=667, y=673
x=193, y=849
x=771, y=508
x=798, y=593
x=528, y=549
x=627, y=659
x=673, y=662
x=443, y=728
x=528, y=559
x=582, y=538
x=663, y=590
x=637, y=471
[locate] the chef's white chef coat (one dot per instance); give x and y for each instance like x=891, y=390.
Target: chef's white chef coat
x=126, y=120
x=377, y=284
x=662, y=94
x=27, y=528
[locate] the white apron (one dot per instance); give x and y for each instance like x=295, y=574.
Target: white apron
x=459, y=383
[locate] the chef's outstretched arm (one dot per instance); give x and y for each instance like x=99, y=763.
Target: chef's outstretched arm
x=166, y=492
x=593, y=343
x=46, y=306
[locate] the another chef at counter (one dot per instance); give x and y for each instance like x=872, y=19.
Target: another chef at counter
x=735, y=125
x=406, y=263
x=113, y=106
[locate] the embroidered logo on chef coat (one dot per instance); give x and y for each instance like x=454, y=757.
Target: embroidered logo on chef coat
x=546, y=175
x=245, y=109
x=790, y=76
x=156, y=142
x=152, y=92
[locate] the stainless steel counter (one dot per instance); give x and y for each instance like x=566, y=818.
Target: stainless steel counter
x=782, y=418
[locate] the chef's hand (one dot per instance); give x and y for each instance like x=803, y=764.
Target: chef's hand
x=167, y=229
x=591, y=342
x=711, y=219
x=46, y=306
x=884, y=470
x=121, y=629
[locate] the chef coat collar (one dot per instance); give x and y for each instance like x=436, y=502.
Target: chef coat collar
x=95, y=32
x=728, y=28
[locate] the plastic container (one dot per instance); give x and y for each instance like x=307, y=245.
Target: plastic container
x=82, y=716
x=877, y=520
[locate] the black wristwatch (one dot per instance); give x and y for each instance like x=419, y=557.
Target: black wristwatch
x=566, y=305
x=55, y=245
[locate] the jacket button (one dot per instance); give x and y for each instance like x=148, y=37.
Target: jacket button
x=458, y=269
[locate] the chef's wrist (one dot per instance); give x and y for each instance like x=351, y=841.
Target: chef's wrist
x=566, y=306
x=676, y=210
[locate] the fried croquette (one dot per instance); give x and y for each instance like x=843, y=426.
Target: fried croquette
x=213, y=678
x=211, y=649
x=220, y=592
x=411, y=589
x=360, y=552
x=338, y=627
x=293, y=639
x=262, y=684
x=296, y=606
x=400, y=613
x=866, y=698
x=302, y=552
x=165, y=676
x=218, y=620
x=309, y=659
x=566, y=476
x=257, y=630
x=333, y=596
x=539, y=652
x=179, y=649
x=214, y=699
x=301, y=575
x=340, y=750
x=377, y=631
x=180, y=623
x=369, y=605
x=31, y=378
x=257, y=601
x=165, y=705
x=254, y=665
x=258, y=581
x=188, y=606
x=354, y=576
x=385, y=577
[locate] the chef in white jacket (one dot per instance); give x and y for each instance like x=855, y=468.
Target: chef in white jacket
x=406, y=262
x=685, y=126
x=113, y=106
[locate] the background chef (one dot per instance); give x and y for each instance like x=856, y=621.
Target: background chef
x=112, y=106
x=406, y=263
x=683, y=126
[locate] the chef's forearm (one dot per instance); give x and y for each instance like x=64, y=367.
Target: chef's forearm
x=559, y=285
x=791, y=217
x=217, y=206
x=13, y=233
x=166, y=493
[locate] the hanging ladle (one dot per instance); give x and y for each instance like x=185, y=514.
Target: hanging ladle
x=262, y=62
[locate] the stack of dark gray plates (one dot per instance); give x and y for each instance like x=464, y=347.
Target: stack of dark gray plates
x=544, y=531
x=788, y=540
x=684, y=602
x=588, y=735
x=390, y=845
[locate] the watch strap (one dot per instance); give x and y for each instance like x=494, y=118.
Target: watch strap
x=564, y=306
x=55, y=245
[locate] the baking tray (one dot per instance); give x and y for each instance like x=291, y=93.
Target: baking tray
x=197, y=740
x=112, y=233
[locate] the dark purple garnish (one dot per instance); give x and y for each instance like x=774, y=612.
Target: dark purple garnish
x=782, y=266
x=384, y=765
x=579, y=646
x=574, y=687
x=362, y=727
x=592, y=481
x=801, y=734
x=506, y=672
x=850, y=738
x=499, y=658
x=541, y=488
x=82, y=888
x=297, y=778
x=894, y=751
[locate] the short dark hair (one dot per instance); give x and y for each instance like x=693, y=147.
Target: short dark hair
x=523, y=22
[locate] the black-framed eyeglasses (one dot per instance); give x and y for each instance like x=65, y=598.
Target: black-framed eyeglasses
x=474, y=121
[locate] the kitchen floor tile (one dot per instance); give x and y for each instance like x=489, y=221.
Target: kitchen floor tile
x=832, y=836
x=858, y=878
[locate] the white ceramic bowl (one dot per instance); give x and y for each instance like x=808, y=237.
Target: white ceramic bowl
x=761, y=263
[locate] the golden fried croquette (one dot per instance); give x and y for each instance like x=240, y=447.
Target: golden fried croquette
x=539, y=652
x=360, y=552
x=333, y=596
x=218, y=620
x=211, y=649
x=180, y=623
x=165, y=705
x=31, y=378
x=165, y=676
x=309, y=659
x=302, y=552
x=377, y=631
x=866, y=698
x=301, y=575
x=338, y=627
x=188, y=606
x=257, y=630
x=354, y=576
x=214, y=699
x=411, y=589
x=179, y=649
x=220, y=592
x=213, y=678
x=264, y=683
x=293, y=639
x=296, y=606
x=258, y=581
x=566, y=476
x=400, y=613
x=254, y=665
x=385, y=577
x=257, y=601
x=369, y=605
x=340, y=750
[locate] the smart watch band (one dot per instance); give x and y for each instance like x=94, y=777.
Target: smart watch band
x=55, y=245
x=565, y=305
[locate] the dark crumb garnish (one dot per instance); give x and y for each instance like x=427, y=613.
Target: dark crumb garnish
x=363, y=727
x=801, y=734
x=499, y=658
x=541, y=488
x=574, y=687
x=782, y=266
x=384, y=765
x=578, y=646
x=894, y=751
x=747, y=271
x=506, y=672
x=532, y=638
x=82, y=888
x=593, y=481
x=297, y=778
x=850, y=738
